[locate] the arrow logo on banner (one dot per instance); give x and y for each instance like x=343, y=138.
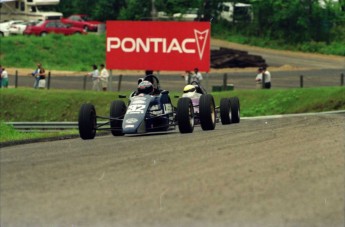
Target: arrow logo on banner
x=201, y=38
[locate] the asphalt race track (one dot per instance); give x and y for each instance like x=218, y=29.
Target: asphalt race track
x=262, y=172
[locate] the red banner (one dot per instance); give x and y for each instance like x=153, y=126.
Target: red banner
x=152, y=45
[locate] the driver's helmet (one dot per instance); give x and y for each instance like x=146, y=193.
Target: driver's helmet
x=145, y=87
x=189, y=91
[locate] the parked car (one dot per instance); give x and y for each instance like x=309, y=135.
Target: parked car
x=17, y=28
x=52, y=26
x=192, y=14
x=81, y=21
x=5, y=26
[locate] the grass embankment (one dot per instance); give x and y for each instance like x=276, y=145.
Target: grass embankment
x=79, y=52
x=231, y=35
x=60, y=105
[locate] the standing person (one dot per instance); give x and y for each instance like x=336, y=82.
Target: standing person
x=196, y=76
x=4, y=78
x=267, y=78
x=104, y=77
x=187, y=76
x=37, y=74
x=42, y=78
x=262, y=72
x=95, y=78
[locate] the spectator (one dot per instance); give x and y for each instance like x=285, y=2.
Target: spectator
x=268, y=76
x=4, y=78
x=42, y=78
x=104, y=77
x=263, y=74
x=187, y=76
x=39, y=74
x=196, y=76
x=95, y=78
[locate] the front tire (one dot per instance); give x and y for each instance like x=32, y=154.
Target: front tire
x=87, y=121
x=225, y=111
x=117, y=110
x=185, y=115
x=235, y=109
x=207, y=112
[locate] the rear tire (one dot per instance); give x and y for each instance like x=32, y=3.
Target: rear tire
x=235, y=109
x=185, y=115
x=87, y=121
x=207, y=112
x=225, y=111
x=117, y=110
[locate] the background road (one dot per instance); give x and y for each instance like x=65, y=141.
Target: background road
x=261, y=172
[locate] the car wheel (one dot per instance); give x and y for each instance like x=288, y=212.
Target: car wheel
x=1, y=34
x=225, y=111
x=235, y=109
x=185, y=115
x=87, y=121
x=117, y=110
x=86, y=28
x=43, y=33
x=207, y=112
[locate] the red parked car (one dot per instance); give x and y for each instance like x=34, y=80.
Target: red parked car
x=52, y=26
x=81, y=21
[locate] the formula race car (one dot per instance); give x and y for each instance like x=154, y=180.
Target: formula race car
x=149, y=109
x=228, y=111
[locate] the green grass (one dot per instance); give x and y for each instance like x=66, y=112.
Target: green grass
x=26, y=104
x=8, y=133
x=79, y=52
x=72, y=53
x=231, y=35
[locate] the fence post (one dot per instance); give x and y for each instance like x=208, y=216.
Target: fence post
x=16, y=79
x=263, y=80
x=342, y=79
x=49, y=77
x=225, y=81
x=207, y=80
x=110, y=80
x=84, y=84
x=301, y=81
x=119, y=84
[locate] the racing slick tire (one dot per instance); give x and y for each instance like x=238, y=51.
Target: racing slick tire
x=117, y=110
x=87, y=121
x=235, y=109
x=207, y=112
x=185, y=115
x=225, y=111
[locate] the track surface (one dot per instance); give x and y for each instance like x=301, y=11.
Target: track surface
x=263, y=172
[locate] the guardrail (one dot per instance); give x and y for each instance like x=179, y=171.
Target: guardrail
x=30, y=126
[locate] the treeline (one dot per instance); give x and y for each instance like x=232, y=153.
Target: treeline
x=293, y=21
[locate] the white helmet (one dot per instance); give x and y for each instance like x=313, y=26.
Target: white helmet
x=189, y=91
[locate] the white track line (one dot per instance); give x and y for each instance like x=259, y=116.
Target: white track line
x=293, y=115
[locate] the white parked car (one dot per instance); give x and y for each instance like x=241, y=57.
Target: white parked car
x=5, y=26
x=190, y=15
x=17, y=28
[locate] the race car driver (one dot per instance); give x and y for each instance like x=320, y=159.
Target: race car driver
x=190, y=91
